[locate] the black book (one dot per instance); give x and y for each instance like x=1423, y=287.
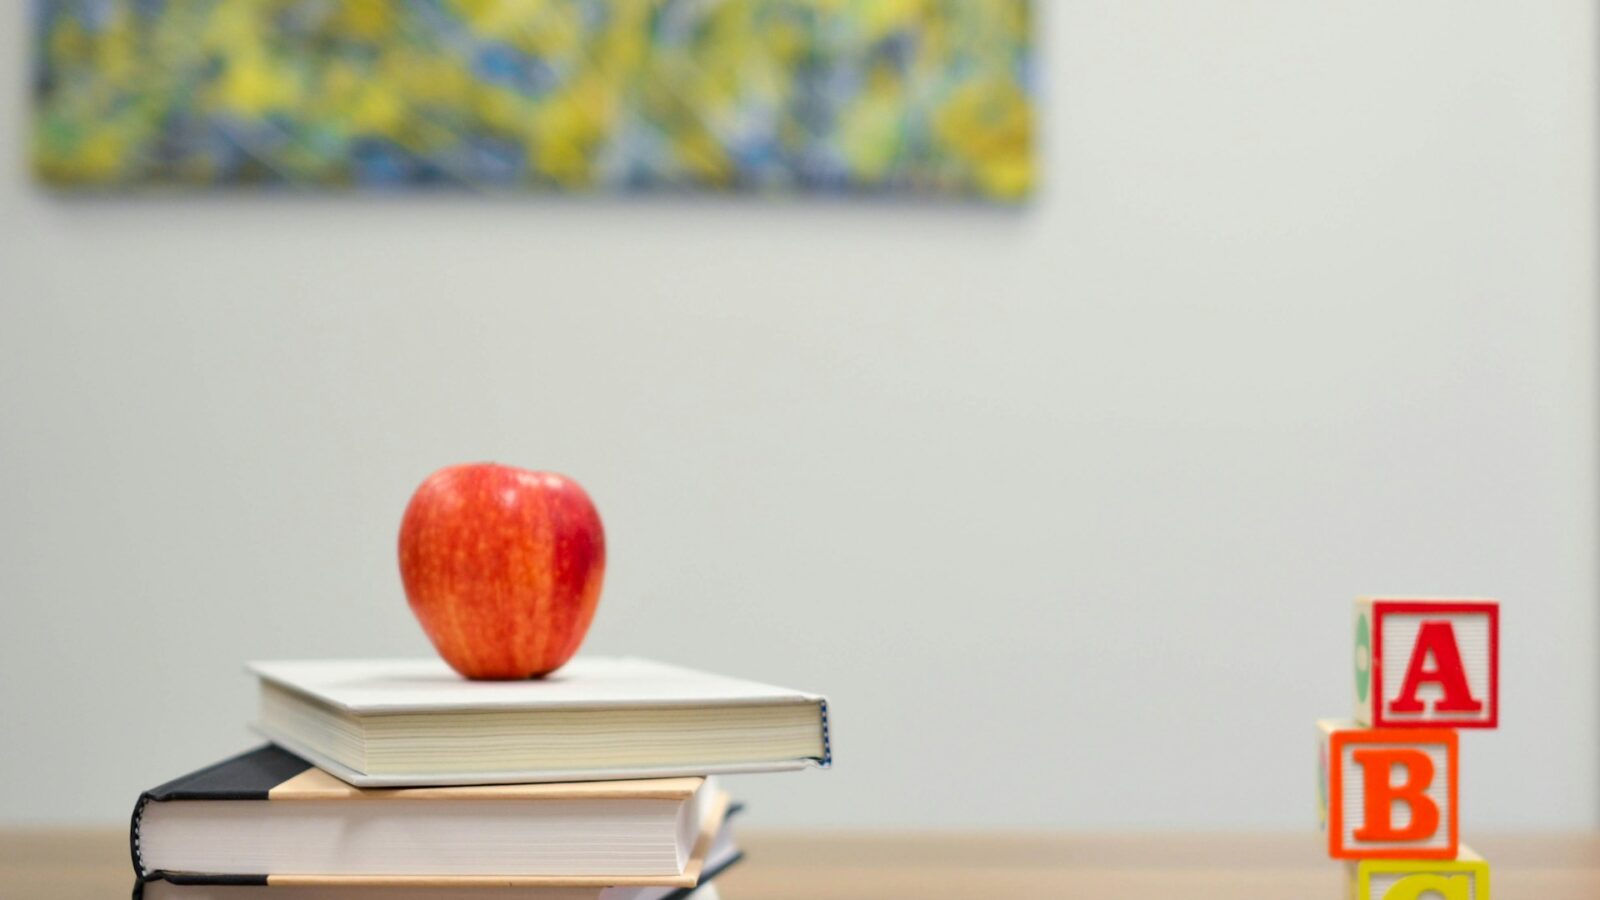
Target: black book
x=268, y=818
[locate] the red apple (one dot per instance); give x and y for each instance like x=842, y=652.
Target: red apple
x=502, y=567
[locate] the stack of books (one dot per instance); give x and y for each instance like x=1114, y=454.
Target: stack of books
x=398, y=778
x=1389, y=779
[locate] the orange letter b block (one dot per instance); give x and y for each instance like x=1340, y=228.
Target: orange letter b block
x=1391, y=792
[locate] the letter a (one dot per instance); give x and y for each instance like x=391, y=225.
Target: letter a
x=1436, y=641
x=1381, y=794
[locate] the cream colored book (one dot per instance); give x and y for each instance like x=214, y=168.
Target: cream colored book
x=407, y=722
x=269, y=818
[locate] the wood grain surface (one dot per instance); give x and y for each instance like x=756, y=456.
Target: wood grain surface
x=46, y=864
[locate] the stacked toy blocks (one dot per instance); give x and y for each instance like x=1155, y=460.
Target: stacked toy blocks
x=1389, y=779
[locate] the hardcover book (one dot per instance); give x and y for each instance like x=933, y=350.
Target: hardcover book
x=393, y=723
x=163, y=890
x=267, y=817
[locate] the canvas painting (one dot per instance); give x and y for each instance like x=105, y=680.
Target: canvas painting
x=919, y=97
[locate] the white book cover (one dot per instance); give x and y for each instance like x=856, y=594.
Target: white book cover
x=383, y=687
x=377, y=686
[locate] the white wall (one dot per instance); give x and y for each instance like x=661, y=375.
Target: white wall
x=1064, y=506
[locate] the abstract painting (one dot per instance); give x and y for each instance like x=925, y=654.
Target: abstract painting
x=919, y=97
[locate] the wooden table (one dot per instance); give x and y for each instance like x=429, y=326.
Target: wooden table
x=57, y=865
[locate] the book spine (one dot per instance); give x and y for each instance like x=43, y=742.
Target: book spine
x=133, y=841
x=827, y=739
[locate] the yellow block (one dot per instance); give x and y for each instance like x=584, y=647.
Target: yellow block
x=1464, y=878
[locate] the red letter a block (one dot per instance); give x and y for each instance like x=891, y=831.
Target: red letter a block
x=1427, y=663
x=1391, y=792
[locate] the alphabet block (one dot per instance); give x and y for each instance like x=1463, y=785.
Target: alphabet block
x=1427, y=663
x=1464, y=878
x=1322, y=782
x=1391, y=792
